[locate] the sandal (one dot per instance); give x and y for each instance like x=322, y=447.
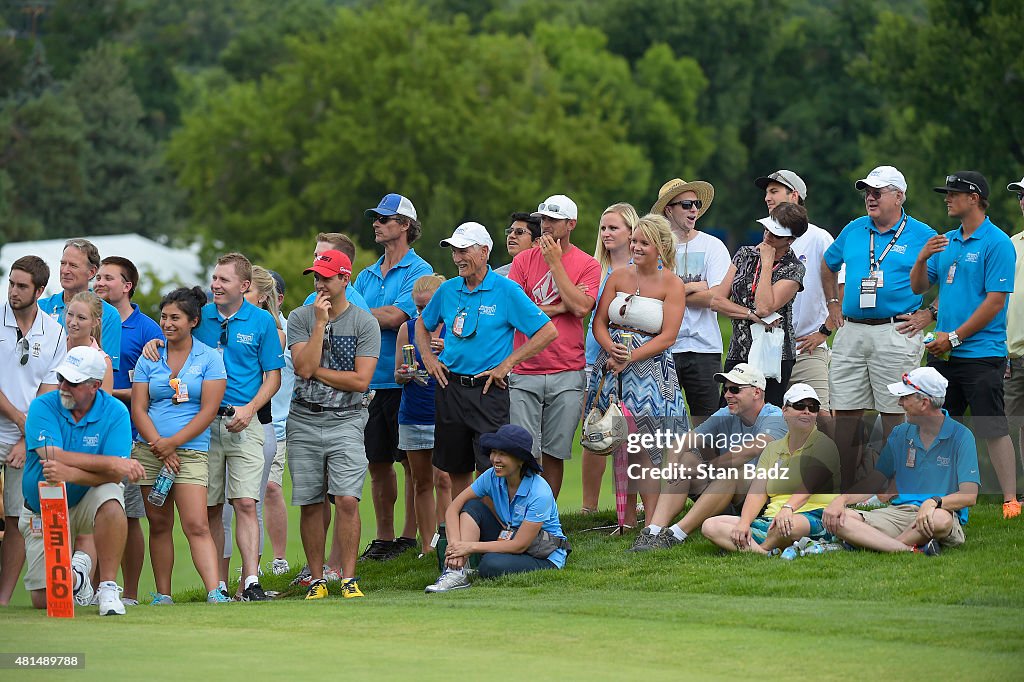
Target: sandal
x=587, y=511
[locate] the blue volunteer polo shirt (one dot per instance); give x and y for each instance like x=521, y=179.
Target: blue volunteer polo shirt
x=111, y=333
x=104, y=430
x=253, y=348
x=951, y=460
x=202, y=364
x=533, y=502
x=494, y=310
x=352, y=295
x=393, y=289
x=136, y=332
x=985, y=262
x=852, y=247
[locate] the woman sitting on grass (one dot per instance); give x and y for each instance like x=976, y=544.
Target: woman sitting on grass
x=522, y=533
x=806, y=463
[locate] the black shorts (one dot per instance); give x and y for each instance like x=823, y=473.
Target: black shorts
x=976, y=383
x=462, y=414
x=696, y=373
x=381, y=434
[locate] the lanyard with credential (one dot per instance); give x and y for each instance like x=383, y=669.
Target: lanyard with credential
x=757, y=275
x=875, y=265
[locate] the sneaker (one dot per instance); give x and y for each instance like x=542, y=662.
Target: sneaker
x=254, y=593
x=377, y=550
x=350, y=589
x=400, y=546
x=665, y=540
x=304, y=578
x=451, y=579
x=110, y=599
x=81, y=565
x=318, y=590
x=279, y=566
x=217, y=596
x=223, y=587
x=930, y=548
x=330, y=575
x=160, y=599
x=644, y=541
x=1011, y=509
x=129, y=602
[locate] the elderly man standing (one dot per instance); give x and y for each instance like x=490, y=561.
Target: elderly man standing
x=546, y=391
x=481, y=311
x=78, y=265
x=934, y=462
x=879, y=320
x=80, y=436
x=387, y=287
x=974, y=268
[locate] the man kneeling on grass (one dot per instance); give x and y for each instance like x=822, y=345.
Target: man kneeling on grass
x=934, y=462
x=795, y=475
x=521, y=533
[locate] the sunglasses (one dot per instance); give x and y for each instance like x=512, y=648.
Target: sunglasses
x=876, y=193
x=908, y=382
x=517, y=231
x=734, y=390
x=806, y=406
x=956, y=182
x=23, y=345
x=224, y=333
x=384, y=219
x=72, y=384
x=553, y=208
x=1020, y=196
x=622, y=310
x=687, y=204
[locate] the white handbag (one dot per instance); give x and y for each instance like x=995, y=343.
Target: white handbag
x=766, y=351
x=605, y=433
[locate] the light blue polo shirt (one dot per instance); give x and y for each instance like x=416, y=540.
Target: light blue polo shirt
x=728, y=429
x=985, y=262
x=494, y=310
x=393, y=289
x=951, y=460
x=852, y=248
x=111, y=333
x=202, y=364
x=104, y=430
x=533, y=502
x=136, y=332
x=352, y=295
x=253, y=348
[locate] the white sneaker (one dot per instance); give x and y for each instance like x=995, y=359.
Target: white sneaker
x=451, y=579
x=81, y=565
x=110, y=599
x=129, y=602
x=280, y=566
x=330, y=575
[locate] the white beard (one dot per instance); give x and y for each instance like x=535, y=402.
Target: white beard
x=67, y=401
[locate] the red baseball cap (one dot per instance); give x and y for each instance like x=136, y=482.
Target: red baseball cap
x=329, y=264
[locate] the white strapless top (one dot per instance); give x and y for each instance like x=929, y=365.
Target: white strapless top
x=642, y=313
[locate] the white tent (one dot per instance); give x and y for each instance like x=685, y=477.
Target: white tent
x=173, y=266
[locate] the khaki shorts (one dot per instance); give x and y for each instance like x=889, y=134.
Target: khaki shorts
x=548, y=405
x=277, y=466
x=893, y=520
x=865, y=359
x=193, y=469
x=81, y=521
x=245, y=459
x=812, y=369
x=13, y=499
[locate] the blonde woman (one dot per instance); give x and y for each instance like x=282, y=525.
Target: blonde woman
x=645, y=300
x=612, y=252
x=83, y=322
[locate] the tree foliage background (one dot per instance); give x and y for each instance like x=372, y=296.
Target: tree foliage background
x=253, y=124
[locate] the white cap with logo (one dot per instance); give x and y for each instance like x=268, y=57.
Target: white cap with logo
x=743, y=375
x=798, y=392
x=926, y=380
x=559, y=207
x=884, y=176
x=83, y=363
x=469, y=234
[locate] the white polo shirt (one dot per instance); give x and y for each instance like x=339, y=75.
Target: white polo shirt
x=809, y=309
x=47, y=346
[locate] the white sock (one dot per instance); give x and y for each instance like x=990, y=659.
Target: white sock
x=221, y=585
x=78, y=581
x=250, y=581
x=678, y=532
x=109, y=584
x=654, y=529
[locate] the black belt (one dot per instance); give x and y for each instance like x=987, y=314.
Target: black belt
x=872, y=321
x=468, y=380
x=313, y=407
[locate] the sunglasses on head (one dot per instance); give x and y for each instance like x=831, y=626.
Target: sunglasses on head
x=552, y=208
x=687, y=204
x=806, y=406
x=876, y=193
x=517, y=231
x=734, y=390
x=908, y=382
x=957, y=183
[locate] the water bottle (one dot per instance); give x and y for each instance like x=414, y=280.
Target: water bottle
x=790, y=553
x=236, y=438
x=162, y=486
x=928, y=338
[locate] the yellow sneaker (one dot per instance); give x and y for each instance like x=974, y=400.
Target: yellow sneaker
x=350, y=589
x=317, y=590
x=1011, y=509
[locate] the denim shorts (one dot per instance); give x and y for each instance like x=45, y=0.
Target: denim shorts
x=415, y=437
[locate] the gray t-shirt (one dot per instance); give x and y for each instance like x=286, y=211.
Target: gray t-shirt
x=354, y=333
x=726, y=431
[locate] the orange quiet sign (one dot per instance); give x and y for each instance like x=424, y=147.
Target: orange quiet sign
x=53, y=503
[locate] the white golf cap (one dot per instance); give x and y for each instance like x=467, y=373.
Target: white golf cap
x=925, y=380
x=559, y=207
x=1016, y=186
x=743, y=375
x=83, y=363
x=774, y=227
x=798, y=392
x=884, y=176
x=468, y=234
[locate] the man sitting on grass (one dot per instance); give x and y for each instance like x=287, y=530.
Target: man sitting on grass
x=710, y=460
x=809, y=464
x=934, y=462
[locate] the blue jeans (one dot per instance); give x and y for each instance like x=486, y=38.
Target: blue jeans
x=493, y=564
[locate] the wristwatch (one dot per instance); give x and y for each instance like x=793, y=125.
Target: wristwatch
x=934, y=310
x=787, y=506
x=823, y=329
x=954, y=340
x=938, y=501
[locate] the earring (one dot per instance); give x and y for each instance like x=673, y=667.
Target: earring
x=659, y=263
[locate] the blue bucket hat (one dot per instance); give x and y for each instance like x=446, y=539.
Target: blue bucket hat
x=515, y=440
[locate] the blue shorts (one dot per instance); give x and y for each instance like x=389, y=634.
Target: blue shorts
x=759, y=528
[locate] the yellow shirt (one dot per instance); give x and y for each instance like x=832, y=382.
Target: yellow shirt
x=819, y=451
x=1015, y=309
